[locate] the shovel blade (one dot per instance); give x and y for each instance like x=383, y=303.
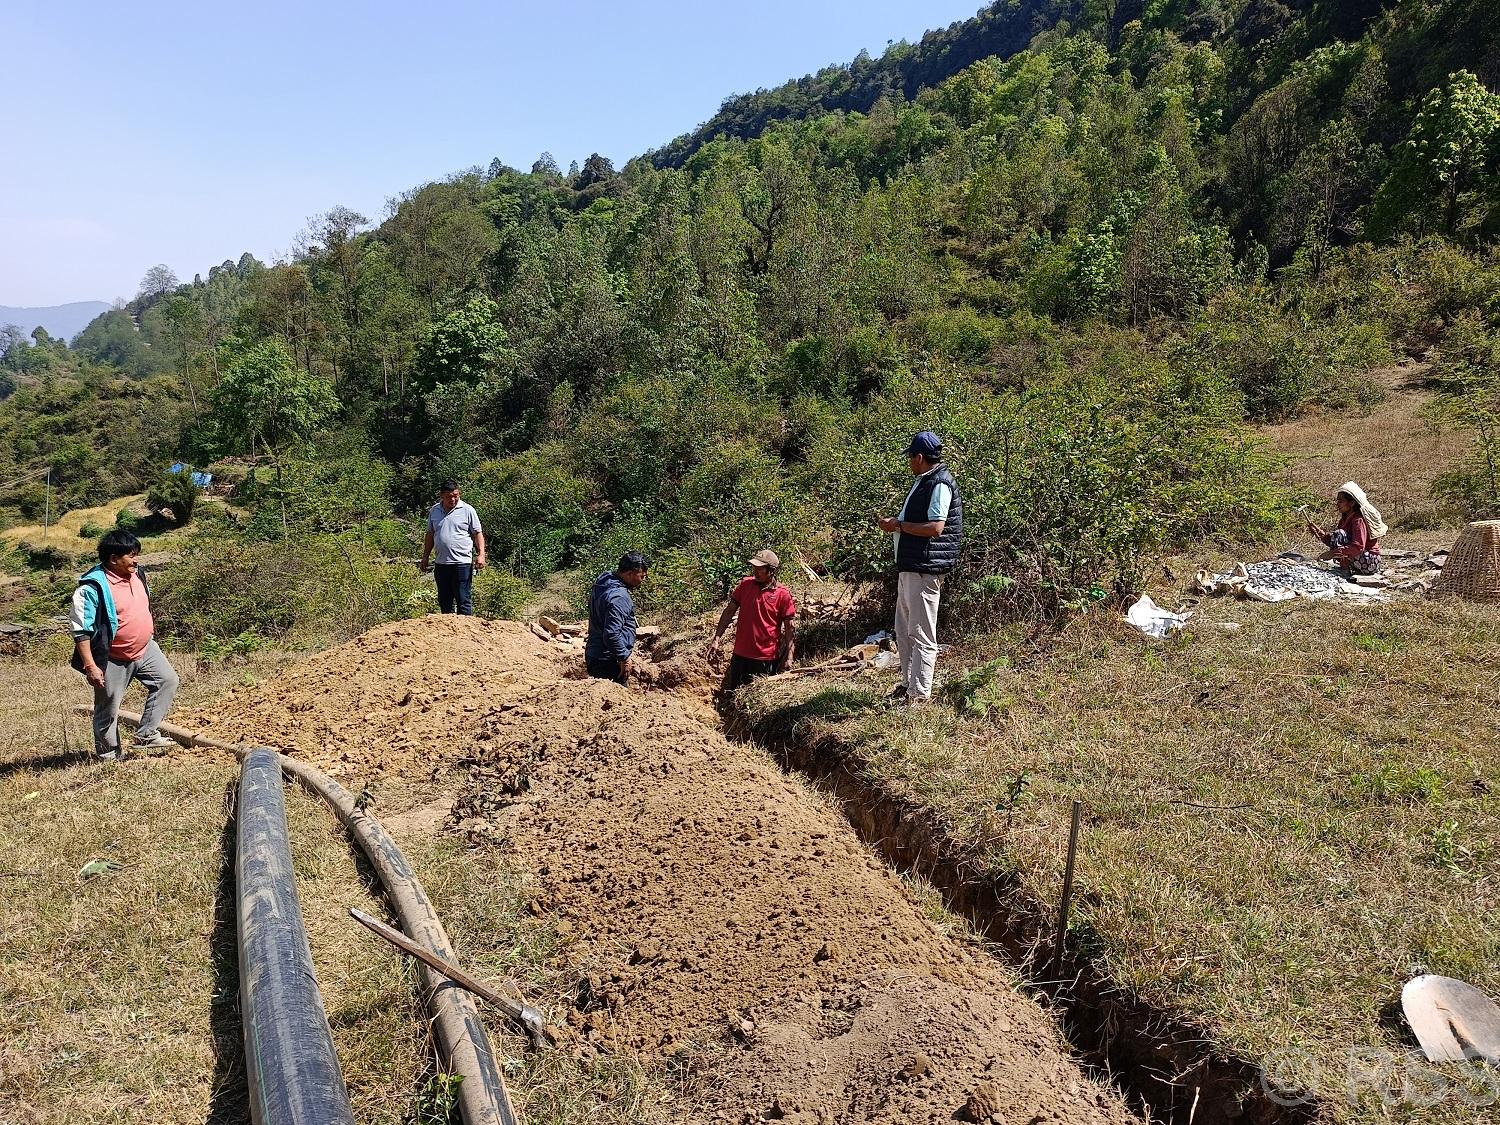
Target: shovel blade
x=1452, y=1020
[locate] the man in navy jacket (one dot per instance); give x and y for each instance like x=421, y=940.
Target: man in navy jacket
x=928, y=533
x=612, y=619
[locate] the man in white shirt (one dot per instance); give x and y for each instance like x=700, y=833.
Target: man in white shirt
x=453, y=529
x=928, y=533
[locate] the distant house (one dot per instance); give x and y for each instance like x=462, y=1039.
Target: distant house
x=202, y=480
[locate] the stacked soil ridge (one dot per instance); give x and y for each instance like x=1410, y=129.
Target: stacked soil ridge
x=713, y=908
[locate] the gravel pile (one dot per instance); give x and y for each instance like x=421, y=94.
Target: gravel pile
x=1303, y=580
x=1279, y=580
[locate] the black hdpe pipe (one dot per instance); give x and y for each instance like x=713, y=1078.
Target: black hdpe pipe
x=462, y=1041
x=482, y=1097
x=292, y=1071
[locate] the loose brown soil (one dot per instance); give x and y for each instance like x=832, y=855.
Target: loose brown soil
x=719, y=913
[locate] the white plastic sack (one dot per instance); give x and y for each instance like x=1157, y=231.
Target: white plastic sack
x=1154, y=621
x=1272, y=593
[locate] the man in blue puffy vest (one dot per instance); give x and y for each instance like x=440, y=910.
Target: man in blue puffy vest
x=928, y=532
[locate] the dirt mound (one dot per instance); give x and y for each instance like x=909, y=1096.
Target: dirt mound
x=401, y=699
x=713, y=908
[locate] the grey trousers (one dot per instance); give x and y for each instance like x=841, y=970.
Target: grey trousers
x=917, y=597
x=154, y=670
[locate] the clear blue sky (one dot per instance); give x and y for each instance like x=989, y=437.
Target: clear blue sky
x=189, y=133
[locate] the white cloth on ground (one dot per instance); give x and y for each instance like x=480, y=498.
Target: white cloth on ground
x=1152, y=620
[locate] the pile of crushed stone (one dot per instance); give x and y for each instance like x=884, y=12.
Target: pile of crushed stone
x=1282, y=579
x=712, y=908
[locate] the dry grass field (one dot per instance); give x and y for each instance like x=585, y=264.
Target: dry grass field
x=1393, y=451
x=118, y=993
x=1282, y=823
x=65, y=535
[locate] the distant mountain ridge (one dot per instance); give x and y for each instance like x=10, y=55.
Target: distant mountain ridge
x=64, y=321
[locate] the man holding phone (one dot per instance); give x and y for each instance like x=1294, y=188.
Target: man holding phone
x=928, y=533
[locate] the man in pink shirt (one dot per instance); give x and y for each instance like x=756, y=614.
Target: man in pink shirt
x=765, y=640
x=114, y=642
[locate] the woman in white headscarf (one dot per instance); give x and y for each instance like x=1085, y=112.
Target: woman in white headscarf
x=1355, y=543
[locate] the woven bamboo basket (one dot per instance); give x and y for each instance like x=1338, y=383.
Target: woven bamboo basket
x=1473, y=567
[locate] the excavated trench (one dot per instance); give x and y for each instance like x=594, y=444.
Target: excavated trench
x=1158, y=1059
x=716, y=910
x=710, y=909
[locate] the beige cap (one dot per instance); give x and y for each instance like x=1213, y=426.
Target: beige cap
x=766, y=558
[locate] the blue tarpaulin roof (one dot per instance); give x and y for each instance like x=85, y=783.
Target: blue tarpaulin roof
x=202, y=480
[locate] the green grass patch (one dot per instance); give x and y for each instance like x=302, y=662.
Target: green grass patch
x=1282, y=823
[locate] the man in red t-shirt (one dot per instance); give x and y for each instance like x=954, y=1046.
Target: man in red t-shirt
x=765, y=639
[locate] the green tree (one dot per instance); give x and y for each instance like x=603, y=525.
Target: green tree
x=15, y=349
x=175, y=493
x=112, y=338
x=1446, y=159
x=183, y=316
x=265, y=398
x=1320, y=195
x=1468, y=376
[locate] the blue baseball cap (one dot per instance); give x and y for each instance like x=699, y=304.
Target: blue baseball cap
x=928, y=444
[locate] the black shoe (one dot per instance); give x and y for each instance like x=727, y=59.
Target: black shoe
x=898, y=692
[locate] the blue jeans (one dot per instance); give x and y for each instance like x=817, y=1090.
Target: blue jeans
x=455, y=583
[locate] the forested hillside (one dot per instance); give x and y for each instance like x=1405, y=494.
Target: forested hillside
x=904, y=71
x=1091, y=258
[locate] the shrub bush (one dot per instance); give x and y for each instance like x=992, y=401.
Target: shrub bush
x=327, y=490
x=175, y=494
x=304, y=590
x=1468, y=377
x=534, y=510
x=1066, y=488
x=499, y=593
x=213, y=649
x=734, y=503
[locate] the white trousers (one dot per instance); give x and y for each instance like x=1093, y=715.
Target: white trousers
x=917, y=598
